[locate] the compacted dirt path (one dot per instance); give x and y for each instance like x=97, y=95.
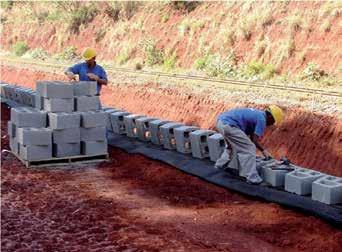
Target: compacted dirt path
x=132, y=203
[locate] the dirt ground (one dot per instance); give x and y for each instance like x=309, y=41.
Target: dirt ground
x=132, y=203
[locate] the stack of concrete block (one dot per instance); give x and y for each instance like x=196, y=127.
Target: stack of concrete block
x=156, y=136
x=54, y=96
x=199, y=143
x=216, y=145
x=182, y=137
x=20, y=95
x=168, y=135
x=130, y=125
x=300, y=181
x=328, y=190
x=117, y=121
x=86, y=97
x=93, y=133
x=144, y=128
x=29, y=137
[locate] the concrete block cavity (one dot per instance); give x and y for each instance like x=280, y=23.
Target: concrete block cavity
x=275, y=178
x=84, y=88
x=11, y=129
x=168, y=136
x=94, y=147
x=64, y=120
x=35, y=152
x=54, y=89
x=328, y=190
x=156, y=136
x=28, y=117
x=216, y=145
x=34, y=136
x=130, y=124
x=87, y=103
x=143, y=128
x=68, y=135
x=109, y=111
x=182, y=137
x=117, y=121
x=58, y=105
x=66, y=149
x=93, y=119
x=199, y=143
x=93, y=134
x=300, y=181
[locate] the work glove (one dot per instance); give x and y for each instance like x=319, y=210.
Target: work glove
x=71, y=76
x=93, y=76
x=267, y=155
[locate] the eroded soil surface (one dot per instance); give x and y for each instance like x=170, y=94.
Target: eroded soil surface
x=132, y=203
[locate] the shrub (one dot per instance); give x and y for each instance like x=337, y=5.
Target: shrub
x=6, y=5
x=39, y=53
x=170, y=61
x=154, y=55
x=187, y=6
x=19, y=48
x=83, y=15
x=256, y=68
x=125, y=9
x=165, y=17
x=313, y=72
x=69, y=53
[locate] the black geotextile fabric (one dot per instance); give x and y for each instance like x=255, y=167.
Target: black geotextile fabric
x=205, y=170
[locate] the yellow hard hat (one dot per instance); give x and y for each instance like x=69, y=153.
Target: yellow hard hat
x=88, y=53
x=277, y=113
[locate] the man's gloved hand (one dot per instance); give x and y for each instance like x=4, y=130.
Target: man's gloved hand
x=267, y=155
x=93, y=76
x=71, y=76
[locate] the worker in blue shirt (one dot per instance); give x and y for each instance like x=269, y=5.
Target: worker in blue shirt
x=242, y=129
x=88, y=70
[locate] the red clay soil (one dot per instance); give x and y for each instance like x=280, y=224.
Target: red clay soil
x=132, y=203
x=308, y=139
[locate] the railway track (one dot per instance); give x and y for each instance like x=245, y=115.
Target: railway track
x=329, y=93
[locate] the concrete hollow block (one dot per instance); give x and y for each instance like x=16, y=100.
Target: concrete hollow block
x=328, y=190
x=66, y=149
x=58, y=105
x=94, y=147
x=130, y=125
x=109, y=111
x=67, y=135
x=35, y=152
x=216, y=145
x=143, y=128
x=275, y=178
x=199, y=143
x=93, y=119
x=3, y=87
x=156, y=136
x=14, y=145
x=182, y=137
x=28, y=117
x=87, y=103
x=84, y=88
x=55, y=89
x=168, y=135
x=117, y=121
x=34, y=136
x=300, y=181
x=64, y=120
x=93, y=134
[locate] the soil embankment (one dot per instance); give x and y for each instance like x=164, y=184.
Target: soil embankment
x=308, y=139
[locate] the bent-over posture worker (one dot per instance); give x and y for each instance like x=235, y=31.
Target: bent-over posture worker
x=88, y=70
x=242, y=129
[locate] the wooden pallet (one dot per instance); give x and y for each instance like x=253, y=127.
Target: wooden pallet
x=80, y=159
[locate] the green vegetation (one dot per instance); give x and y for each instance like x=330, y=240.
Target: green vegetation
x=256, y=68
x=165, y=17
x=38, y=53
x=82, y=15
x=19, y=48
x=170, y=62
x=69, y=53
x=153, y=55
x=313, y=72
x=6, y=5
x=121, y=10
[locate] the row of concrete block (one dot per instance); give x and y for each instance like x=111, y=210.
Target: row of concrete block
x=20, y=95
x=65, y=90
x=322, y=187
x=171, y=135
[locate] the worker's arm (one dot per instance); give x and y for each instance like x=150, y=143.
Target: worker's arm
x=71, y=72
x=256, y=141
x=99, y=80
